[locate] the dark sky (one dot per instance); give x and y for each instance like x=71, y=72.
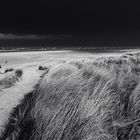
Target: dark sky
x=98, y=19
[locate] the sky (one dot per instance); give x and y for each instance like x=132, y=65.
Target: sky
x=115, y=22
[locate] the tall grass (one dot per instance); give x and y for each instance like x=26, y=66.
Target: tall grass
x=20, y=123
x=96, y=100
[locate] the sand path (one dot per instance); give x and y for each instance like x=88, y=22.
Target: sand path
x=10, y=97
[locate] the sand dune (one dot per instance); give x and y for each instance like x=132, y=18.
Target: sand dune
x=77, y=99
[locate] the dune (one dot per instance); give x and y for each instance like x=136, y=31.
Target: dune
x=79, y=100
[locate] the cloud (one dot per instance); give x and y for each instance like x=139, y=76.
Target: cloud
x=13, y=36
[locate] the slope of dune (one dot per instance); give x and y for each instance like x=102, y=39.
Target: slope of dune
x=82, y=100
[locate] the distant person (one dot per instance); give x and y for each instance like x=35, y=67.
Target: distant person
x=6, y=62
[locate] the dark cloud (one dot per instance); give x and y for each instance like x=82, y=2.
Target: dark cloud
x=31, y=36
x=13, y=36
x=69, y=16
x=94, y=19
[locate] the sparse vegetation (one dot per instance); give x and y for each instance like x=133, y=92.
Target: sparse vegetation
x=8, y=81
x=98, y=101
x=9, y=70
x=19, y=72
x=42, y=68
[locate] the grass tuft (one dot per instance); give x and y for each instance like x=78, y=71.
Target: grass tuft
x=18, y=72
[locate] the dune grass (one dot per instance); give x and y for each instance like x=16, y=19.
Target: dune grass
x=10, y=79
x=20, y=123
x=94, y=100
x=18, y=72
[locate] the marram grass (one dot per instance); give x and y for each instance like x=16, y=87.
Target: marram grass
x=95, y=100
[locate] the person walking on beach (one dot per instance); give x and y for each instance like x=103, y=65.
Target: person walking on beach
x=6, y=62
